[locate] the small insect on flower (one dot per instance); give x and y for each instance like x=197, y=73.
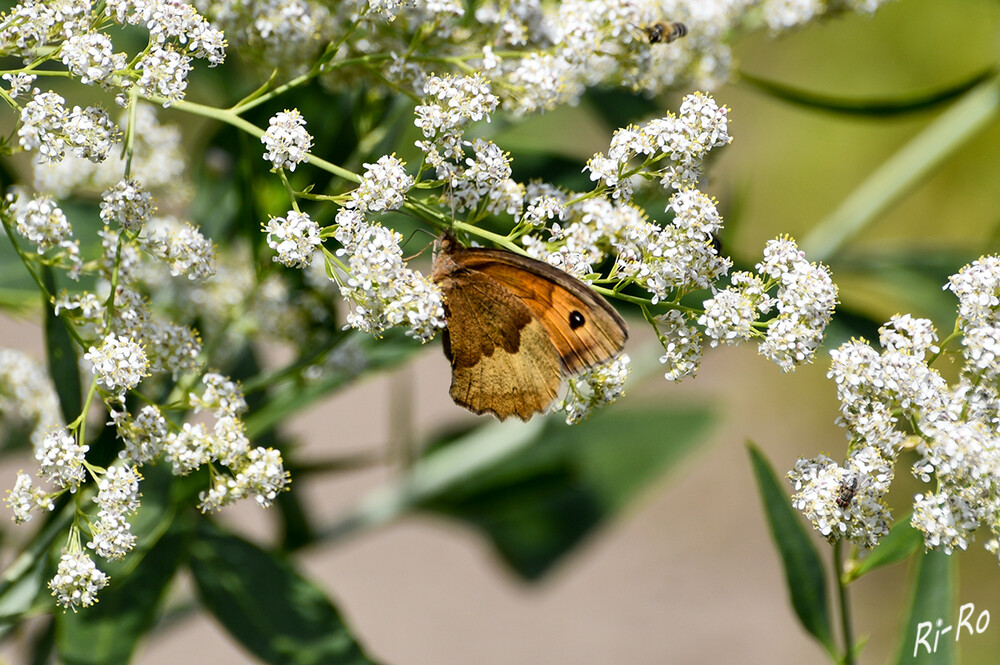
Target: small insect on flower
x=664, y=32
x=849, y=489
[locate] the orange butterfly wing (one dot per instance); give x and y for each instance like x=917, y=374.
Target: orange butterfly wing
x=585, y=329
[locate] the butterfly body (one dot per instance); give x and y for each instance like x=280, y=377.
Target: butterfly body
x=516, y=326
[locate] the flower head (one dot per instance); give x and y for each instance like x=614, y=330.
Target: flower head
x=294, y=237
x=60, y=459
x=119, y=363
x=595, y=387
x=286, y=141
x=77, y=581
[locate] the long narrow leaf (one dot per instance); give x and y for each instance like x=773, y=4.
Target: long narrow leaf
x=934, y=592
x=901, y=542
x=61, y=354
x=804, y=572
x=940, y=139
x=867, y=107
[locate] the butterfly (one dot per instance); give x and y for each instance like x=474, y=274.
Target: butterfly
x=516, y=327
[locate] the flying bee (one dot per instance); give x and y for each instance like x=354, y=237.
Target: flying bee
x=848, y=490
x=664, y=32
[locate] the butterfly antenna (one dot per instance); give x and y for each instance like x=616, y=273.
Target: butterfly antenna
x=415, y=232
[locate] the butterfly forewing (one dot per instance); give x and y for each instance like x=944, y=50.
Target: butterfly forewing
x=584, y=328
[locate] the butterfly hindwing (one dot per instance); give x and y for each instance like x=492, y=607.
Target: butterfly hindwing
x=501, y=357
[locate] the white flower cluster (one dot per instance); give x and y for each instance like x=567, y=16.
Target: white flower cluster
x=181, y=246
x=221, y=396
x=294, y=237
x=672, y=147
x=678, y=257
x=682, y=345
x=60, y=459
x=169, y=347
x=91, y=56
x=47, y=126
x=77, y=581
x=127, y=203
x=42, y=222
x=117, y=498
x=805, y=300
x=383, y=185
x=955, y=425
x=594, y=388
x=286, y=140
x=24, y=498
x=177, y=34
x=451, y=105
x=386, y=292
x=159, y=159
x=845, y=501
x=119, y=363
x=142, y=435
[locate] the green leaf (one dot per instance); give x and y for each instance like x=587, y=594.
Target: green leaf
x=939, y=140
x=264, y=603
x=804, y=571
x=377, y=354
x=901, y=542
x=60, y=352
x=933, y=599
x=542, y=500
x=107, y=633
x=868, y=107
x=18, y=598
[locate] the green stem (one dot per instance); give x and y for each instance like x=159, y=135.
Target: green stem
x=843, y=604
x=231, y=118
x=957, y=332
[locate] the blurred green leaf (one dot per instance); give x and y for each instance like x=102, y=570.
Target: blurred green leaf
x=541, y=501
x=22, y=582
x=904, y=169
x=933, y=595
x=867, y=107
x=107, y=633
x=377, y=354
x=21, y=594
x=265, y=604
x=60, y=352
x=900, y=543
x=804, y=572
x=876, y=285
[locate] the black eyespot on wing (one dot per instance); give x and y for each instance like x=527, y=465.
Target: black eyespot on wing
x=576, y=319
